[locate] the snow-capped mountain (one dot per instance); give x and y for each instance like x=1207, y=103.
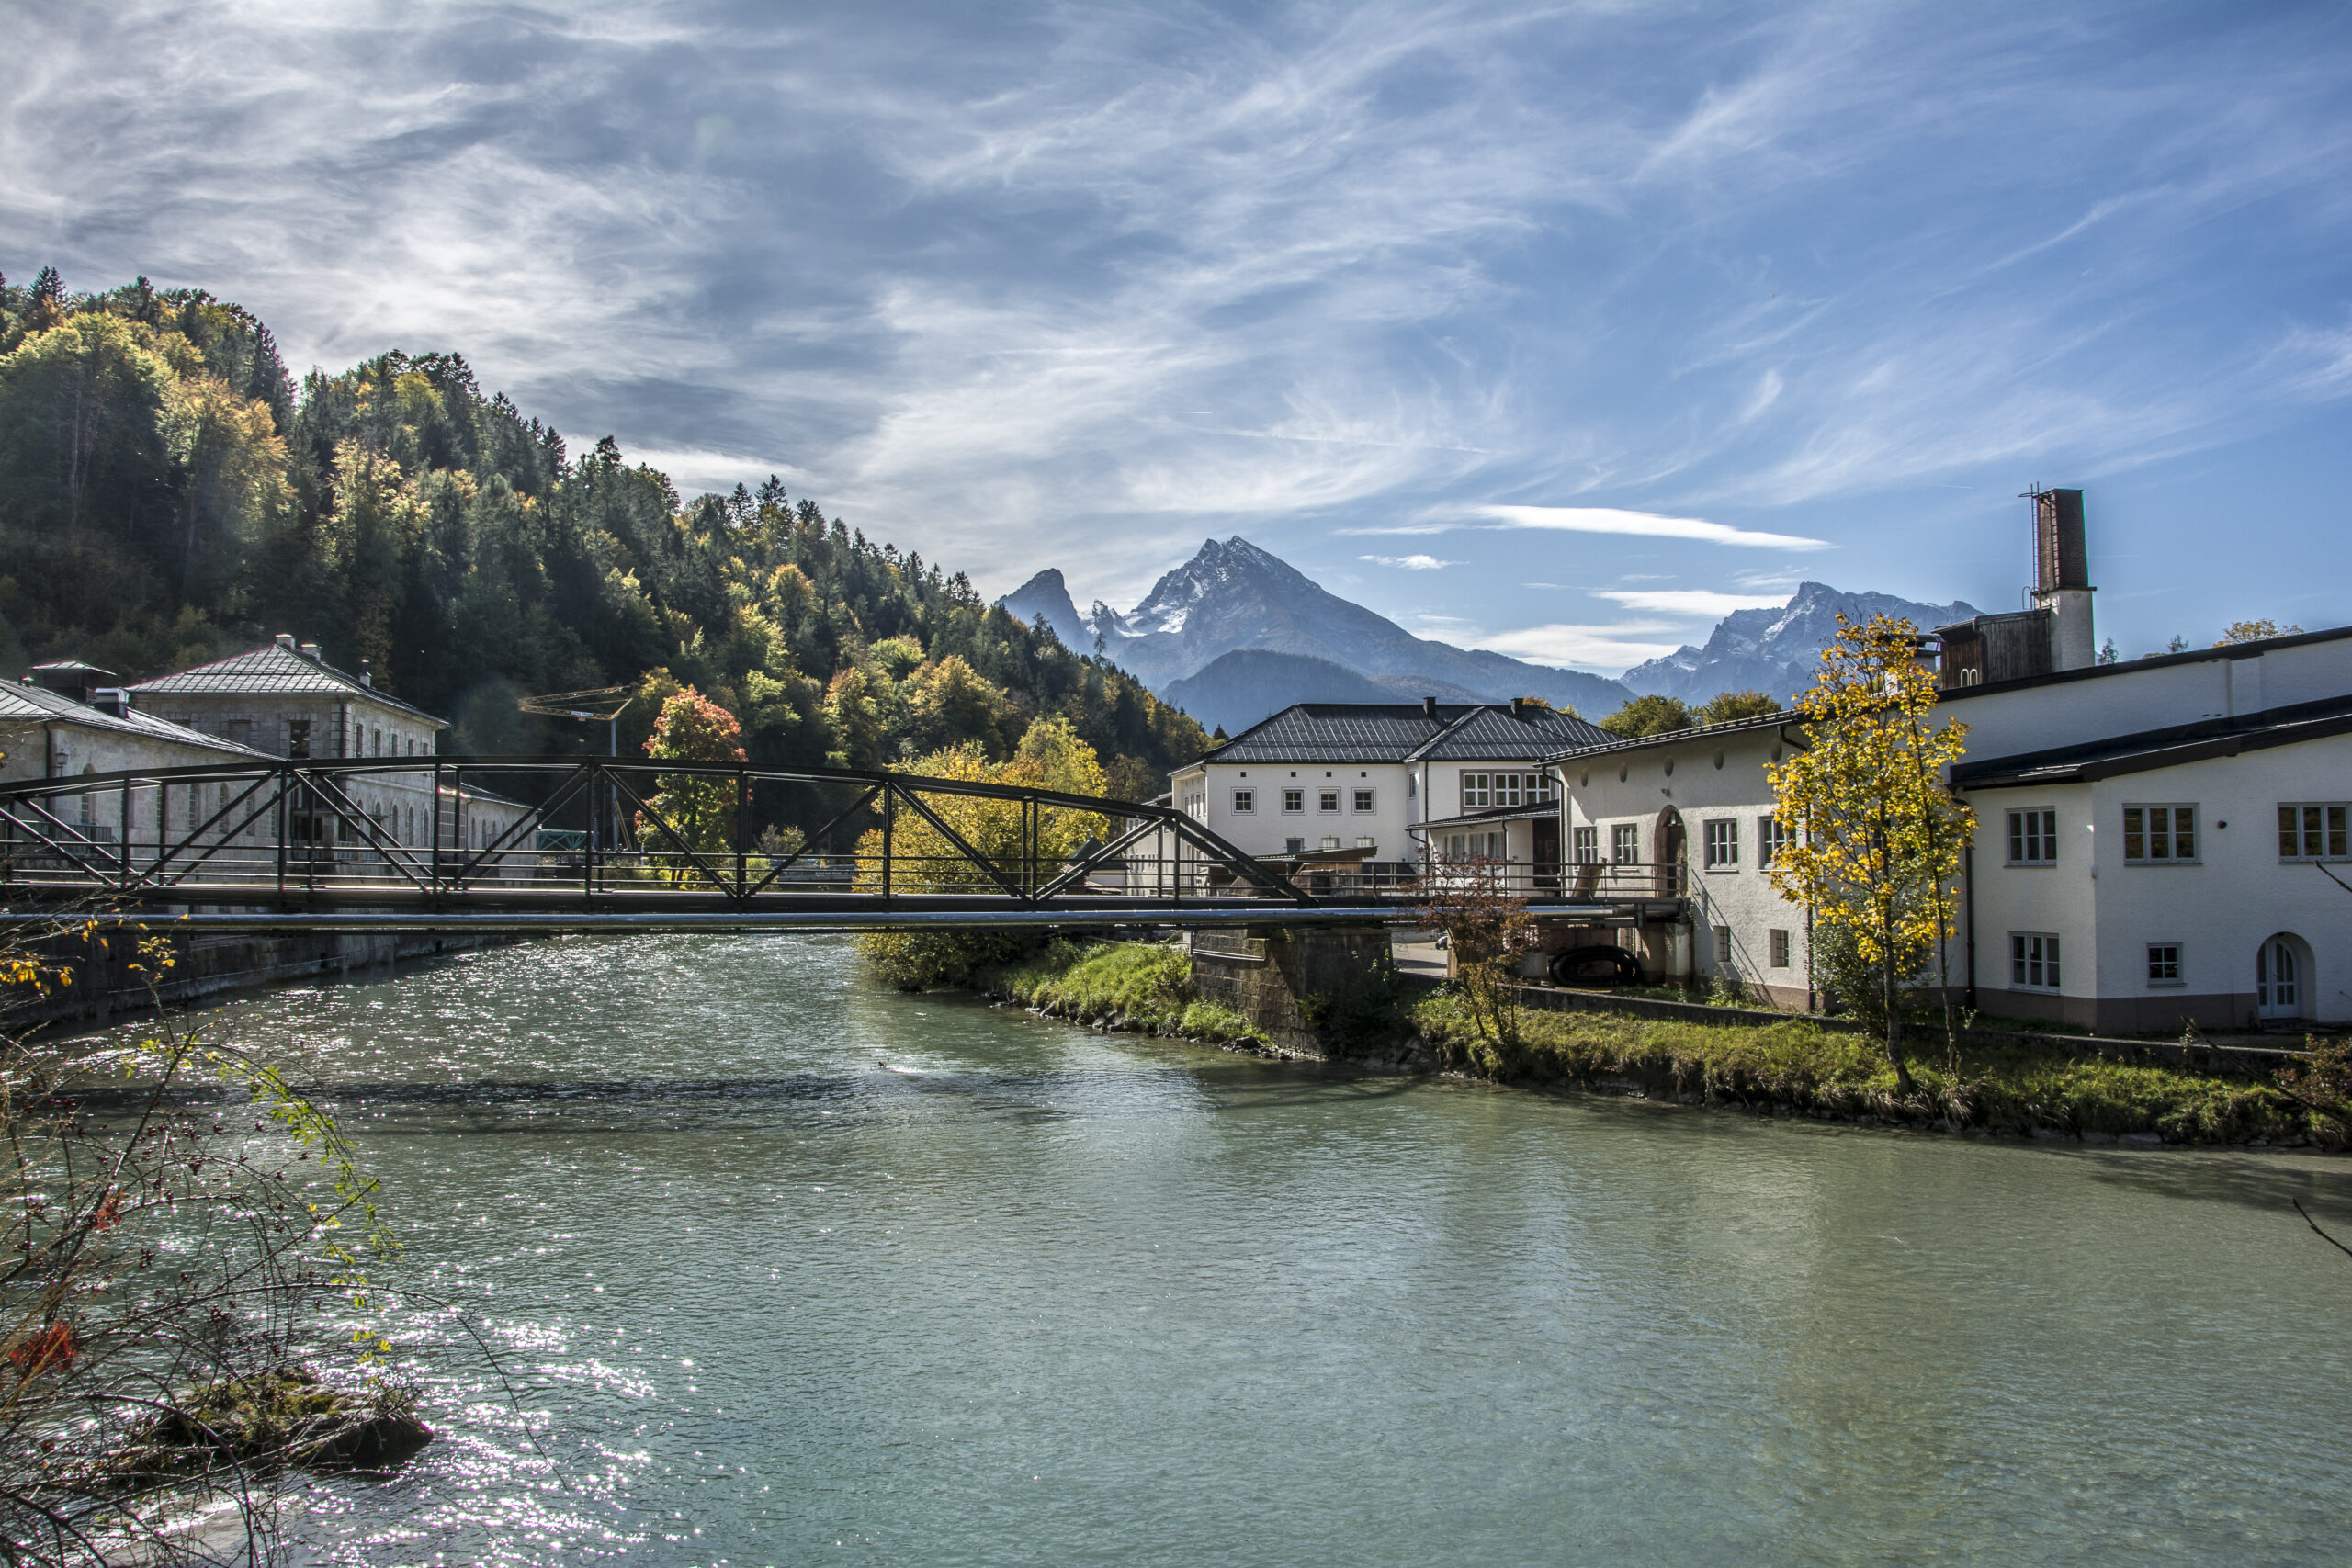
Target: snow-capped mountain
x=1234, y=595
x=1776, y=651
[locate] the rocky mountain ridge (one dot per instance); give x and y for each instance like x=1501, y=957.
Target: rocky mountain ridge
x=1777, y=650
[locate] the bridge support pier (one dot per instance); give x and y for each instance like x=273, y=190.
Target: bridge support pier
x=1282, y=978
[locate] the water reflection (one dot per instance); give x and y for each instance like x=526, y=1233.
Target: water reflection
x=784, y=1267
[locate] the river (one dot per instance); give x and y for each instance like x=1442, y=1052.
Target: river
x=782, y=1268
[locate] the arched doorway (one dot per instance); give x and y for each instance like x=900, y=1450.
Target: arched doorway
x=1670, y=847
x=2282, y=978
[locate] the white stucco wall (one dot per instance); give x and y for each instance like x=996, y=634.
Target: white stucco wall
x=2220, y=907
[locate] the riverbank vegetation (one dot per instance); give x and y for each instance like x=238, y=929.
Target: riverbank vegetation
x=173, y=1278
x=1146, y=986
x=1813, y=1071
x=168, y=494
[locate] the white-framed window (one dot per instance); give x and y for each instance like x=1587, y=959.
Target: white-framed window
x=1722, y=838
x=2159, y=835
x=1245, y=801
x=1477, y=791
x=2033, y=837
x=2309, y=832
x=1777, y=942
x=1476, y=846
x=1327, y=800
x=1293, y=802
x=1625, y=843
x=2033, y=961
x=1723, y=945
x=1770, y=838
x=1196, y=806
x=1587, y=842
x=1362, y=800
x=2164, y=963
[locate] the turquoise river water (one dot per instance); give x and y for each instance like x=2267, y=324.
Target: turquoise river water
x=782, y=1268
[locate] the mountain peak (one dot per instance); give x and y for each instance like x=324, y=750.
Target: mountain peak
x=1776, y=649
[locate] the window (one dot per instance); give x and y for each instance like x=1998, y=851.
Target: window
x=2164, y=963
x=298, y=737
x=1293, y=846
x=1723, y=843
x=2033, y=961
x=1778, y=941
x=1625, y=843
x=1327, y=800
x=1294, y=801
x=2159, y=835
x=1330, y=841
x=2313, y=833
x=1363, y=800
x=379, y=742
x=1587, y=846
x=1723, y=945
x=1477, y=791
x=1245, y=801
x=2033, y=838
x=1770, y=837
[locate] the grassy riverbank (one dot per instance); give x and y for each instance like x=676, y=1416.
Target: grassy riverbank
x=1146, y=986
x=1819, y=1072
x=1795, y=1068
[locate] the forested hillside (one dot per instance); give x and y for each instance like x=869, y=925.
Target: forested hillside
x=167, y=496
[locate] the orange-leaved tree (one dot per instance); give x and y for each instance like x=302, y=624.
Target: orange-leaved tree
x=1876, y=832
x=698, y=809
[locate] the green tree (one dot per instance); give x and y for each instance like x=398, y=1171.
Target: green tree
x=700, y=810
x=2253, y=631
x=1649, y=715
x=1877, y=832
x=1725, y=706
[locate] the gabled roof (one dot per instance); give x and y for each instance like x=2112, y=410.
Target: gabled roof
x=2153, y=749
x=1490, y=734
x=38, y=705
x=277, y=669
x=1402, y=732
x=1607, y=742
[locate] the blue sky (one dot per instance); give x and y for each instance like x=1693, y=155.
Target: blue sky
x=1559, y=329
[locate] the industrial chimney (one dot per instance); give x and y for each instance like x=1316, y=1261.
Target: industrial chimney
x=2061, y=580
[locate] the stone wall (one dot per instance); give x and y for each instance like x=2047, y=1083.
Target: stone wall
x=106, y=991
x=1280, y=979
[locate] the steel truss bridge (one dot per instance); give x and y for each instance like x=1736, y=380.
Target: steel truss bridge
x=541, y=844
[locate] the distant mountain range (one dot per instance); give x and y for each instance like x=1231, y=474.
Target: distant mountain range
x=1304, y=644
x=1236, y=634
x=1777, y=650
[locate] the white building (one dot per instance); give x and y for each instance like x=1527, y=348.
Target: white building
x=1689, y=814
x=2132, y=884
x=48, y=729
x=2080, y=902
x=1386, y=786
x=285, y=699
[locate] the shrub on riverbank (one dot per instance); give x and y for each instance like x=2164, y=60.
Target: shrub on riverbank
x=1814, y=1071
x=1147, y=984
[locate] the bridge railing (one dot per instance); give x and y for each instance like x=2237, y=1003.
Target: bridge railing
x=449, y=828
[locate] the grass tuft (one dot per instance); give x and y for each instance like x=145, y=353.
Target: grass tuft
x=1148, y=985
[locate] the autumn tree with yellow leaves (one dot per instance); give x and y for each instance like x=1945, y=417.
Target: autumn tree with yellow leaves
x=1052, y=756
x=1876, y=832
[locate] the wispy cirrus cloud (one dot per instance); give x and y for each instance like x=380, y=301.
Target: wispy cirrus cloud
x=1644, y=524
x=1689, y=601
x=1410, y=563
x=1589, y=646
